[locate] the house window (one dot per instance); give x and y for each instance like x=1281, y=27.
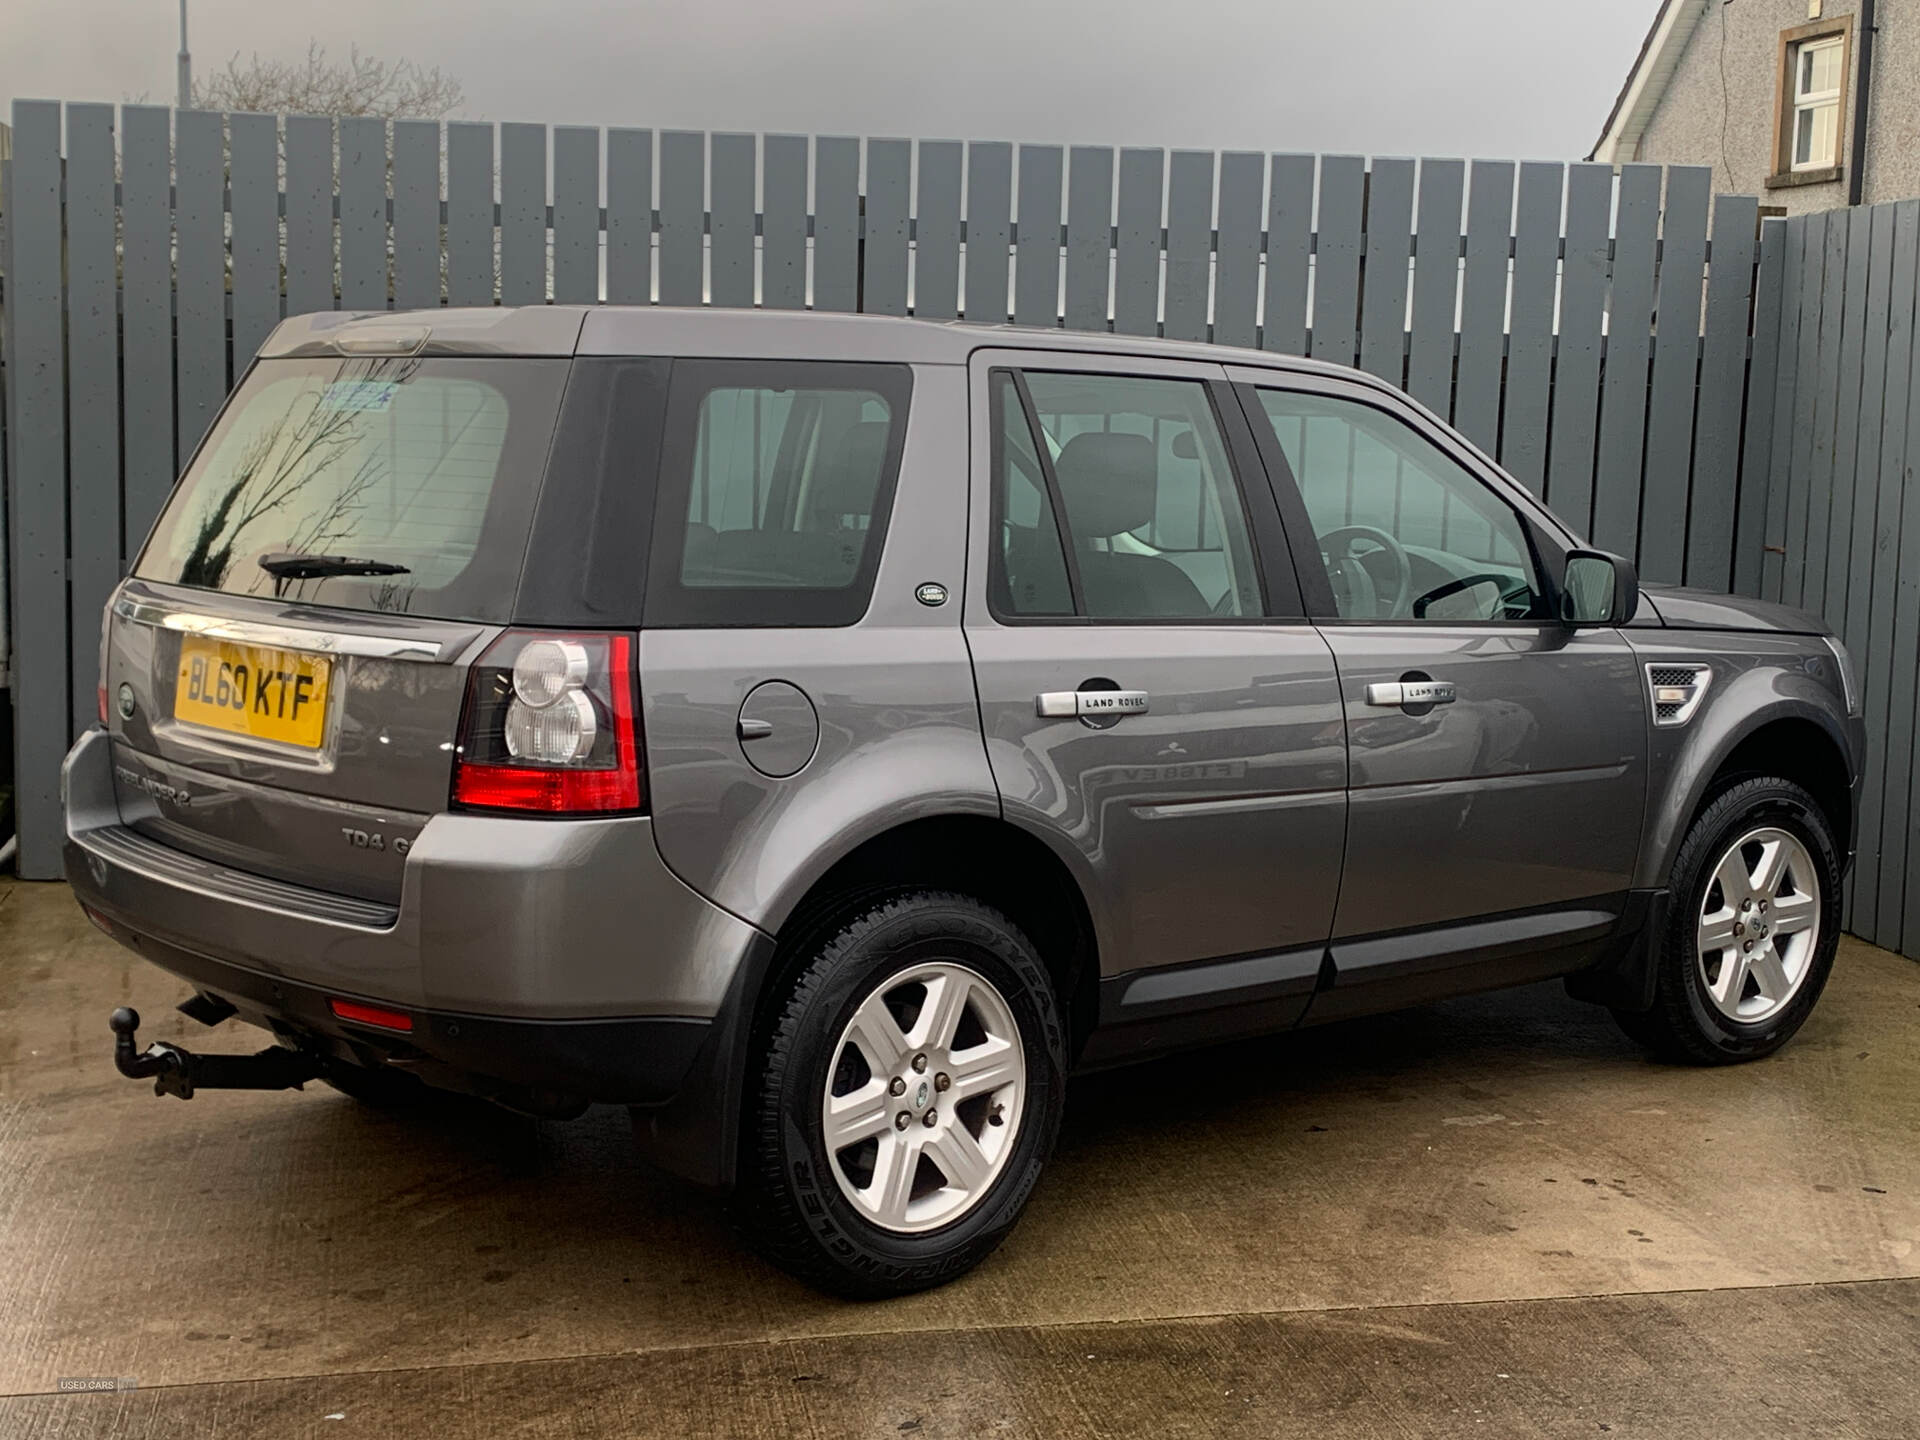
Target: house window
x=1818, y=66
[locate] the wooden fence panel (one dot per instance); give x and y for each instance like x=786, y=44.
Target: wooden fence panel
x=1436, y=285
x=1828, y=597
x=146, y=306
x=93, y=387
x=783, y=258
x=37, y=527
x=1189, y=269
x=1483, y=303
x=731, y=259
x=936, y=256
x=1709, y=517
x=576, y=214
x=1536, y=263
x=1136, y=264
x=1036, y=269
x=254, y=175
x=683, y=208
x=1389, y=240
x=523, y=214
x=1289, y=254
x=889, y=201
x=1799, y=293
x=836, y=224
x=309, y=182
x=1894, y=634
x=1236, y=280
x=200, y=276
x=1623, y=398
x=1762, y=378
x=470, y=252
x=1576, y=384
x=1875, y=512
x=1089, y=236
x=416, y=214
x=1336, y=259
x=363, y=213
x=1676, y=364
x=1808, y=500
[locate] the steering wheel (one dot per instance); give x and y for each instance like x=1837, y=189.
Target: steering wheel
x=1356, y=581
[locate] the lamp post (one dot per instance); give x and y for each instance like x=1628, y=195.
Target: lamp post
x=185, y=99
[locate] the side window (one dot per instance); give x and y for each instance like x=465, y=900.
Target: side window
x=776, y=482
x=1405, y=532
x=1138, y=470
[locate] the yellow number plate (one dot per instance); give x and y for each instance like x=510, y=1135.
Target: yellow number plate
x=253, y=690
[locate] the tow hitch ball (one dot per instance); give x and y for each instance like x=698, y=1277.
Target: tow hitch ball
x=181, y=1072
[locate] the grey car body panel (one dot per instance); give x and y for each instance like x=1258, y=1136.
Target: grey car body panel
x=496, y=915
x=276, y=809
x=1449, y=808
x=1253, y=847
x=1681, y=608
x=1759, y=678
x=1213, y=824
x=899, y=729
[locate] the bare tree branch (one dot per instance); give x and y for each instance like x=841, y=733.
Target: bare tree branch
x=319, y=85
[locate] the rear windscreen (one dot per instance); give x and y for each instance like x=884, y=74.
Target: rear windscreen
x=398, y=484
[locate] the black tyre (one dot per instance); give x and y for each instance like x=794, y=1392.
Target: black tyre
x=1751, y=931
x=910, y=1090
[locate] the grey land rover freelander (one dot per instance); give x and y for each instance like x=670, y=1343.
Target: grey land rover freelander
x=823, y=734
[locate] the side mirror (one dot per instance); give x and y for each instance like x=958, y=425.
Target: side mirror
x=1598, y=589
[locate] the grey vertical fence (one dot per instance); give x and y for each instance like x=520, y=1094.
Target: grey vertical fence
x=1842, y=527
x=1590, y=331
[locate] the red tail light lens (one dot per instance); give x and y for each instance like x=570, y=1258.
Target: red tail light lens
x=370, y=1014
x=550, y=727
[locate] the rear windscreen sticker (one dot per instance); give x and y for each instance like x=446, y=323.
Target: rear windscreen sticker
x=359, y=394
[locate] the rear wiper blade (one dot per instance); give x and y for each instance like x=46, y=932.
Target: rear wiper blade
x=292, y=565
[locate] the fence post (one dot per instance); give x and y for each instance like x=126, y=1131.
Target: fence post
x=37, y=530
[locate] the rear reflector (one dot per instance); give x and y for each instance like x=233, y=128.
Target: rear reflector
x=370, y=1015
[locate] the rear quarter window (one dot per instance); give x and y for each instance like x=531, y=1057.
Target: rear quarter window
x=776, y=483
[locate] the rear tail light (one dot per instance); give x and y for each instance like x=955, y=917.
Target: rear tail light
x=549, y=727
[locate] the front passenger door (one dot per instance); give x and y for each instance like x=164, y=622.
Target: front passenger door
x=1497, y=755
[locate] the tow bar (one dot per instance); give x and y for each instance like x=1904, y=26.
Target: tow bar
x=181, y=1072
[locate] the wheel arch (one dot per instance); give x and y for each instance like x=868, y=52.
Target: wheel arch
x=1788, y=737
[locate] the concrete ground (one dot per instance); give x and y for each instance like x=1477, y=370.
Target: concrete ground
x=1491, y=1217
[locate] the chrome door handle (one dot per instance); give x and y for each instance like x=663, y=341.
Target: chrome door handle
x=1065, y=704
x=755, y=729
x=1411, y=692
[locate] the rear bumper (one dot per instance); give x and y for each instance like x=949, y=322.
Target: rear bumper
x=558, y=955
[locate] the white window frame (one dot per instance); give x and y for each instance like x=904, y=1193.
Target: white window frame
x=1803, y=102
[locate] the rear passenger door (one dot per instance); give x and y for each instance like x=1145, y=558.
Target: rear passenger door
x=1498, y=756
x=1154, y=701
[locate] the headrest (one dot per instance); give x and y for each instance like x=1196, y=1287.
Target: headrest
x=846, y=485
x=1110, y=482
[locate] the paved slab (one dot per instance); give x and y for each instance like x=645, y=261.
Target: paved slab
x=1492, y=1214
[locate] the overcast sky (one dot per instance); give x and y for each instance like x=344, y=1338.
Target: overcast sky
x=1513, y=78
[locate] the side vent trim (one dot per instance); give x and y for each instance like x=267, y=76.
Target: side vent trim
x=1675, y=690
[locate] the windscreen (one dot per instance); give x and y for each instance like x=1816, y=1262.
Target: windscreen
x=392, y=483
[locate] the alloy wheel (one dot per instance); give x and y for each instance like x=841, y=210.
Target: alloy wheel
x=1759, y=924
x=924, y=1097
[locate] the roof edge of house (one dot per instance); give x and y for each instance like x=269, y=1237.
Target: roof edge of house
x=1646, y=82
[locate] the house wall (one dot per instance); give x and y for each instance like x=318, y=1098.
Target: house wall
x=1719, y=107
